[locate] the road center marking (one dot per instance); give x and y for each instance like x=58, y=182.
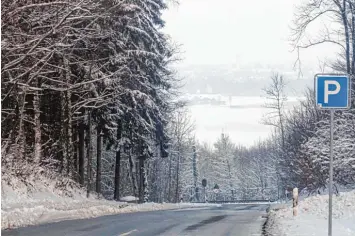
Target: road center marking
x=128, y=233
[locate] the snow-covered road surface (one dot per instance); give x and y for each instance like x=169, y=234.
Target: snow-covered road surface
x=245, y=220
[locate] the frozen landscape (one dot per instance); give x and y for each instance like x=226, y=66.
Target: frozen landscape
x=241, y=117
x=177, y=117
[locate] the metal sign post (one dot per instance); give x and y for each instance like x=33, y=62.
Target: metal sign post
x=331, y=173
x=332, y=93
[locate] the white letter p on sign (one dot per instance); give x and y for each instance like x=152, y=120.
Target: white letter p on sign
x=328, y=92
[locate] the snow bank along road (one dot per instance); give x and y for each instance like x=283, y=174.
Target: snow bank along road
x=229, y=219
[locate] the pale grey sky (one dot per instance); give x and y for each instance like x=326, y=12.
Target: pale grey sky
x=237, y=32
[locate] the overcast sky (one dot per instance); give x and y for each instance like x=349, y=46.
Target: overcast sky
x=237, y=32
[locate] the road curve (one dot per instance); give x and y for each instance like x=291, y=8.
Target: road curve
x=229, y=219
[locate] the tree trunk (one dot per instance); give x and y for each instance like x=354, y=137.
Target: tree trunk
x=132, y=171
x=145, y=182
x=279, y=111
x=98, y=160
x=195, y=174
x=137, y=177
x=352, y=37
x=75, y=153
x=70, y=164
x=21, y=138
x=37, y=128
x=81, y=151
x=177, y=177
x=347, y=39
x=141, y=180
x=69, y=129
x=169, y=180
x=230, y=175
x=118, y=162
x=89, y=155
x=63, y=135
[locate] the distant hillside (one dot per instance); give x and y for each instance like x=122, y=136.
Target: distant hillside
x=246, y=81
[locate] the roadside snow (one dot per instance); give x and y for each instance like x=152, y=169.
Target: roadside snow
x=312, y=219
x=129, y=199
x=51, y=211
x=43, y=203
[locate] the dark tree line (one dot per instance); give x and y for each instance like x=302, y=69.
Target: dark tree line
x=82, y=77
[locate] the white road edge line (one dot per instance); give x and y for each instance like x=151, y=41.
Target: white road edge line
x=191, y=209
x=128, y=233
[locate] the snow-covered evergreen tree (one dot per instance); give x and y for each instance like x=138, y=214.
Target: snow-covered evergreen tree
x=223, y=165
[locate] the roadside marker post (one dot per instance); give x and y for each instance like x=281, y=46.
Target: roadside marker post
x=332, y=93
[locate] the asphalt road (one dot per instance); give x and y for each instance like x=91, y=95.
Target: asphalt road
x=229, y=219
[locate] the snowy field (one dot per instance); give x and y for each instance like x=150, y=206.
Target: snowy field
x=240, y=117
x=43, y=202
x=312, y=218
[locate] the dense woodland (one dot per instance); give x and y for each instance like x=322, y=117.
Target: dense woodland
x=80, y=72
x=88, y=94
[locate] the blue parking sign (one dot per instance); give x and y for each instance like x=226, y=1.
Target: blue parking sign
x=332, y=91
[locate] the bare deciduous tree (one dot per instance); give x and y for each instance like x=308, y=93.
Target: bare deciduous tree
x=276, y=98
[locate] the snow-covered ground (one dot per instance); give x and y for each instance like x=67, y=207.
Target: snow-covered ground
x=240, y=117
x=41, y=200
x=37, y=212
x=129, y=198
x=312, y=218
